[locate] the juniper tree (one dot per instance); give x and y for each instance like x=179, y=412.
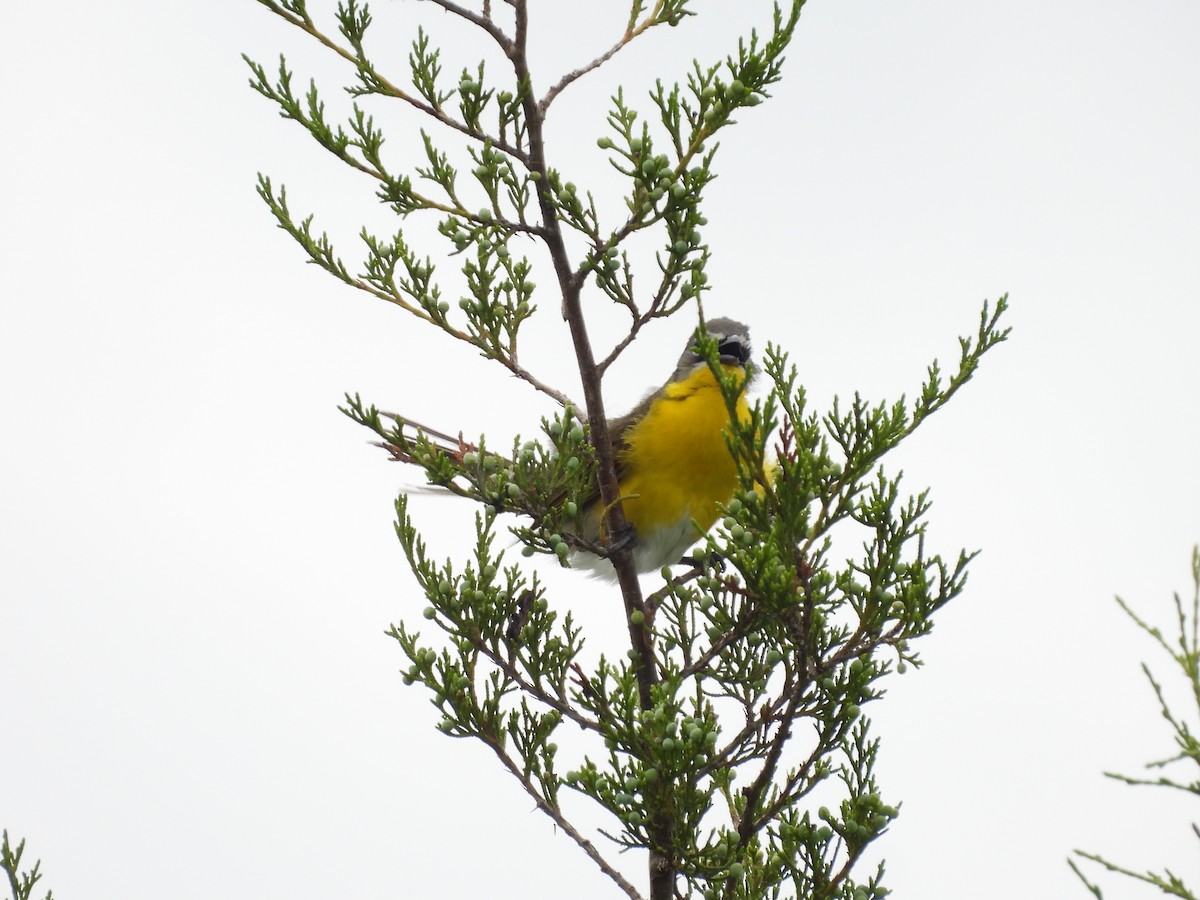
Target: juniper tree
x=737, y=699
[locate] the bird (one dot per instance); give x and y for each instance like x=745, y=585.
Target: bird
x=673, y=465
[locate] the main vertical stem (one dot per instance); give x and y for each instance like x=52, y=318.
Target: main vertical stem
x=662, y=867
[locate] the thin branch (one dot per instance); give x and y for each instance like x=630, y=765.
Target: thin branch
x=391, y=90
x=788, y=793
x=560, y=820
x=571, y=77
x=1174, y=887
x=504, y=359
x=482, y=21
x=534, y=690
x=567, y=80
x=765, y=777
x=617, y=350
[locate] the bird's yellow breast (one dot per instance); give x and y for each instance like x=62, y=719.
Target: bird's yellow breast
x=677, y=465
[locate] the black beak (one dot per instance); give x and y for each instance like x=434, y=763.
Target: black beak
x=734, y=350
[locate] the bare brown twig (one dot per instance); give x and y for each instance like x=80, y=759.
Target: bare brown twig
x=484, y=22
x=560, y=820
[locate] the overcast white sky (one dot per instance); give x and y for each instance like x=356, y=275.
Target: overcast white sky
x=196, y=557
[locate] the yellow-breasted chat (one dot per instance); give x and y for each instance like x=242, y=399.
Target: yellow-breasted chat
x=673, y=464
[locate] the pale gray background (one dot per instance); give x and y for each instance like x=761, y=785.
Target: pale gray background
x=196, y=556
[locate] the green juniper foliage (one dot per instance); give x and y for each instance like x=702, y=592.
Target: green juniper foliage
x=726, y=737
x=1185, y=654
x=20, y=883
